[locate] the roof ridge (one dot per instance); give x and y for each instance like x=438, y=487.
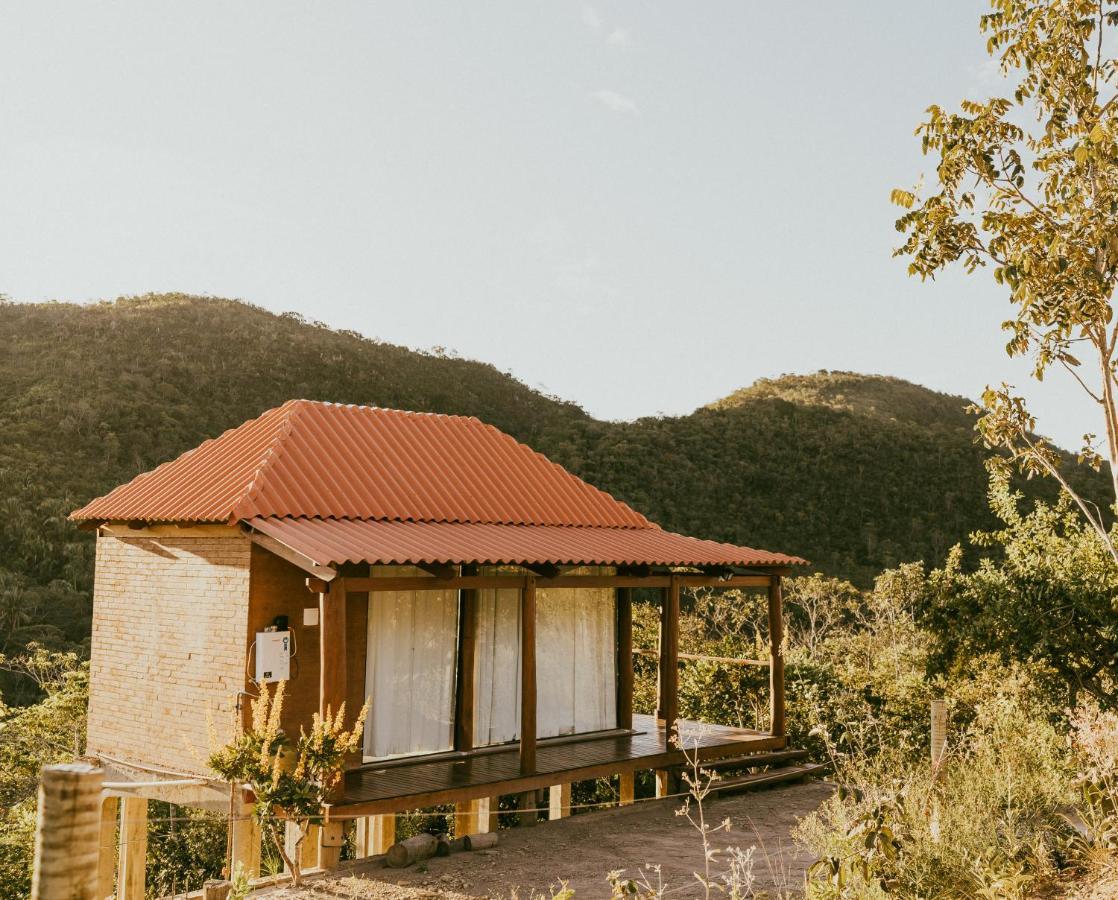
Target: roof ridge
x=243, y=507
x=372, y=407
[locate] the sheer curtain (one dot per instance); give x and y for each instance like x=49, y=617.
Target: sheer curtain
x=576, y=653
x=576, y=661
x=497, y=668
x=409, y=670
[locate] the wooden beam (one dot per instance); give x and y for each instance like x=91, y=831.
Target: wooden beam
x=624, y=658
x=429, y=583
x=332, y=653
x=132, y=871
x=542, y=570
x=294, y=557
x=464, y=684
x=776, y=658
x=528, y=677
x=667, y=708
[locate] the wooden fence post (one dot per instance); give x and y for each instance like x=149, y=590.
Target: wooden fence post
x=67, y=833
x=939, y=732
x=216, y=889
x=106, y=867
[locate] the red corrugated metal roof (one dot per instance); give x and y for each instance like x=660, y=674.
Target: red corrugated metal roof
x=330, y=542
x=325, y=460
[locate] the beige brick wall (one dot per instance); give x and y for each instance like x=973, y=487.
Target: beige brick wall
x=170, y=617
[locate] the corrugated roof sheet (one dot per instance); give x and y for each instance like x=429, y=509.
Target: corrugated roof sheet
x=332, y=542
x=325, y=460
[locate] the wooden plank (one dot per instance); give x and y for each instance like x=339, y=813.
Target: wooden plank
x=464, y=684
x=528, y=677
x=132, y=871
x=331, y=840
x=776, y=658
x=106, y=865
x=332, y=652
x=624, y=658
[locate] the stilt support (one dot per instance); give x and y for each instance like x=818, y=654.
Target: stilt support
x=331, y=839
x=133, y=849
x=559, y=801
x=626, y=788
x=246, y=842
x=106, y=861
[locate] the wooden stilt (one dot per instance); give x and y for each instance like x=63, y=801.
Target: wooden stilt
x=307, y=850
x=470, y=817
x=246, y=841
x=663, y=783
x=488, y=810
x=527, y=805
x=331, y=839
x=106, y=862
x=626, y=787
x=559, y=801
x=384, y=833
x=132, y=871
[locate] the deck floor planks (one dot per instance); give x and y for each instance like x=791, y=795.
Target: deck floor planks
x=425, y=777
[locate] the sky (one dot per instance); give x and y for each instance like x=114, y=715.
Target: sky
x=639, y=207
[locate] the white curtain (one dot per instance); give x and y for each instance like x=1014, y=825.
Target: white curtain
x=576, y=653
x=409, y=671
x=576, y=661
x=497, y=668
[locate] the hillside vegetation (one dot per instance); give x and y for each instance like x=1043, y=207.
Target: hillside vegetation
x=857, y=473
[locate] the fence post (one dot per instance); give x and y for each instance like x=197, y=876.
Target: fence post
x=216, y=889
x=939, y=732
x=67, y=833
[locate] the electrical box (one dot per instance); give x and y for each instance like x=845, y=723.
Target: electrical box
x=273, y=656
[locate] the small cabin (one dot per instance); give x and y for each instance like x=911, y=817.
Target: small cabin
x=479, y=595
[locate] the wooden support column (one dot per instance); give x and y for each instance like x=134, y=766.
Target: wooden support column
x=667, y=707
x=776, y=658
x=465, y=694
x=307, y=849
x=528, y=677
x=625, y=658
x=246, y=841
x=559, y=801
x=133, y=849
x=471, y=817
x=106, y=864
x=626, y=788
x=487, y=813
x=331, y=840
x=67, y=828
x=332, y=655
x=663, y=782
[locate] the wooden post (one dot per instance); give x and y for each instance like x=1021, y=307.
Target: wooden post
x=559, y=801
x=473, y=816
x=332, y=657
x=106, y=866
x=132, y=872
x=465, y=695
x=939, y=732
x=776, y=658
x=488, y=810
x=668, y=695
x=627, y=787
x=216, y=889
x=529, y=808
x=663, y=782
x=246, y=841
x=307, y=850
x=331, y=839
x=625, y=658
x=528, y=677
x=67, y=831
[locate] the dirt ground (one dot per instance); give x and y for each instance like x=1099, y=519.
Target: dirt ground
x=582, y=849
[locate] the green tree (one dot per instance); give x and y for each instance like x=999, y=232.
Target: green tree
x=1028, y=183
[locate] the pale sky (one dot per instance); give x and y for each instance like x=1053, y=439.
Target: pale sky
x=639, y=207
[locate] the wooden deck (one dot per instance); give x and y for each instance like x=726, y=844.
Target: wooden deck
x=448, y=778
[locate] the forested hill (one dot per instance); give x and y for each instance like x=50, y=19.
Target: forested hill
x=854, y=472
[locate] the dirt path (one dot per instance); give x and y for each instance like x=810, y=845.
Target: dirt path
x=582, y=849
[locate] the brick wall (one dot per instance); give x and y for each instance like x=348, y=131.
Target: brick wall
x=170, y=618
